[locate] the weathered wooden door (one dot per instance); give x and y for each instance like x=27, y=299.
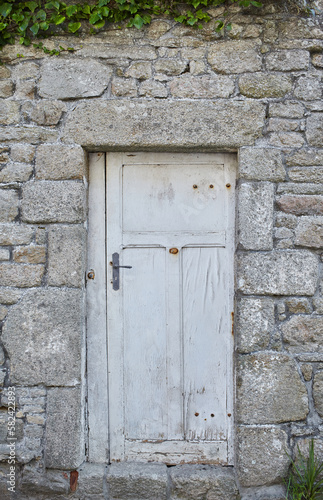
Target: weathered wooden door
x=171, y=218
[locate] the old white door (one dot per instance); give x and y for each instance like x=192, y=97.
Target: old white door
x=169, y=317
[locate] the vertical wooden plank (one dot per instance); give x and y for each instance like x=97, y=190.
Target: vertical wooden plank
x=145, y=343
x=206, y=331
x=96, y=313
x=115, y=306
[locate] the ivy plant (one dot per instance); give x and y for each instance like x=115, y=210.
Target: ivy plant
x=32, y=19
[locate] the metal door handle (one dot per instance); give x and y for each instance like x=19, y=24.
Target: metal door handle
x=115, y=270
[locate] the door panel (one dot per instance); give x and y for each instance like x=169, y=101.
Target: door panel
x=170, y=217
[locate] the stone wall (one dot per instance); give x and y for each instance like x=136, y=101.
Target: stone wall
x=256, y=91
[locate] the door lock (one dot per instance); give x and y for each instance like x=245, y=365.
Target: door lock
x=115, y=270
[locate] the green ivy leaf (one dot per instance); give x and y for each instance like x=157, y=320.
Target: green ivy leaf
x=52, y=5
x=31, y=6
x=34, y=28
x=3, y=26
x=102, y=3
x=41, y=15
x=71, y=9
x=5, y=9
x=256, y=4
x=138, y=21
x=94, y=18
x=74, y=27
x=59, y=20
x=24, y=24
x=44, y=26
x=100, y=24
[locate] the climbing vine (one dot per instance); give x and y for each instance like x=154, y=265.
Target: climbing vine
x=34, y=19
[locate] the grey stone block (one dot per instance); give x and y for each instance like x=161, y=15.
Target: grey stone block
x=91, y=478
x=270, y=390
x=309, y=232
x=260, y=85
x=188, y=86
x=9, y=200
x=255, y=216
x=276, y=492
x=305, y=157
x=262, y=457
x=308, y=89
x=288, y=60
x=303, y=334
x=300, y=204
x=42, y=335
x=66, y=256
x=30, y=134
x=21, y=275
x=22, y=153
x=137, y=481
x=50, y=201
x=255, y=322
x=47, y=112
x=15, y=234
x=197, y=482
x=124, y=123
x=64, y=447
x=10, y=296
x=314, y=129
x=43, y=482
x=306, y=174
x=290, y=272
x=238, y=56
x=263, y=164
x=287, y=109
x=9, y=112
x=59, y=162
x=16, y=172
x=73, y=79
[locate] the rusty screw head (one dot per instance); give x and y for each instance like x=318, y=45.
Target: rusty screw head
x=173, y=250
x=211, y=186
x=196, y=414
x=91, y=275
x=228, y=185
x=194, y=186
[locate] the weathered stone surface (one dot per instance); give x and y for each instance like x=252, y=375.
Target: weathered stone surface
x=34, y=254
x=282, y=125
x=288, y=60
x=151, y=88
x=43, y=482
x=47, y=112
x=4, y=254
x=42, y=335
x=309, y=232
x=307, y=371
x=298, y=305
x=314, y=130
x=286, y=140
x=264, y=85
x=4, y=72
x=308, y=88
x=301, y=205
x=306, y=174
x=6, y=88
x=299, y=188
x=91, y=477
x=255, y=216
x=16, y=172
x=21, y=275
x=188, y=86
x=66, y=256
x=270, y=390
x=256, y=467
x=254, y=324
x=9, y=201
x=317, y=60
x=263, y=164
x=50, y=201
x=303, y=334
x=170, y=67
x=275, y=492
x=58, y=162
x=140, y=70
x=31, y=134
x=9, y=112
x=318, y=392
x=287, y=109
x=64, y=432
x=72, y=79
x=118, y=52
x=15, y=234
x=278, y=273
x=157, y=28
x=235, y=57
x=305, y=157
x=202, y=123
x=197, y=482
x=25, y=70
x=136, y=481
x=124, y=87
x=304, y=444
x=318, y=305
x=22, y=153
